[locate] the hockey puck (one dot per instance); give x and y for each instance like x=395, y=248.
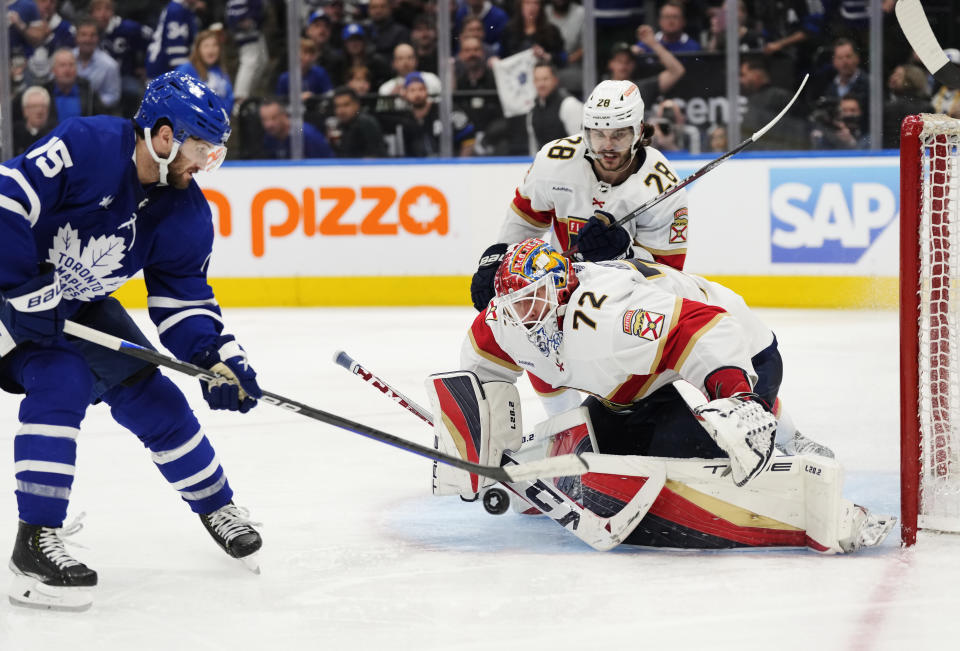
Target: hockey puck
x=496, y=501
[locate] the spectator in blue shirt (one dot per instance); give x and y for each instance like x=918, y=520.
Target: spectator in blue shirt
x=204, y=64
x=71, y=94
x=57, y=33
x=671, y=34
x=126, y=41
x=494, y=18
x=95, y=65
x=314, y=79
x=276, y=134
x=172, y=37
x=27, y=27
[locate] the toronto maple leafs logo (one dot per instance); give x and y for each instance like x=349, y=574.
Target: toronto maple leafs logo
x=86, y=271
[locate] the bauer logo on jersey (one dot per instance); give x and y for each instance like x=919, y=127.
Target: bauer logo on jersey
x=678, y=229
x=831, y=215
x=644, y=324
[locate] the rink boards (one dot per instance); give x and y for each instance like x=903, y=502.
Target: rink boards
x=783, y=230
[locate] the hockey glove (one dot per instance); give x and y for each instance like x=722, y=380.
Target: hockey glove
x=598, y=240
x=237, y=390
x=33, y=311
x=742, y=428
x=481, y=286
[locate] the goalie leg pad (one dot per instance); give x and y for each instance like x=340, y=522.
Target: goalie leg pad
x=474, y=422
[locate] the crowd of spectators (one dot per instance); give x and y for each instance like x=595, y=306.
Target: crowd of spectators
x=369, y=69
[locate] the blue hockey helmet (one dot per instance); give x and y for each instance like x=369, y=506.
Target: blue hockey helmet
x=190, y=106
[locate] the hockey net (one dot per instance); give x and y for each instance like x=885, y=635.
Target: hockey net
x=929, y=324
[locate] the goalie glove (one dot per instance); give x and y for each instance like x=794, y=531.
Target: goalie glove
x=481, y=285
x=744, y=429
x=598, y=240
x=237, y=389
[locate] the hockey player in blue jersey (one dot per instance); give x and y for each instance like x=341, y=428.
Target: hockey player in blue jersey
x=81, y=211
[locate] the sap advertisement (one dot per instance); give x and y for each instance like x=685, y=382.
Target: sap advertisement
x=830, y=215
x=797, y=216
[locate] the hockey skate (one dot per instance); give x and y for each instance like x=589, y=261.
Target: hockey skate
x=864, y=529
x=45, y=574
x=800, y=444
x=231, y=528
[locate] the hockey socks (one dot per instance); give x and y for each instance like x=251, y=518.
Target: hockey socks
x=157, y=412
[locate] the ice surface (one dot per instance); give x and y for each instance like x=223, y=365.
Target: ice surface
x=359, y=555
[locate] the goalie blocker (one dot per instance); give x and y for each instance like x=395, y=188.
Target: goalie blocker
x=791, y=501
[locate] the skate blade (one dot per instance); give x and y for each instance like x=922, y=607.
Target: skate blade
x=251, y=562
x=28, y=592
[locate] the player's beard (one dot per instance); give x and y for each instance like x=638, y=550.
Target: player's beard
x=180, y=172
x=620, y=164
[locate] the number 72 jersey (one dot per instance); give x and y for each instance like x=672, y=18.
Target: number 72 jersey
x=561, y=190
x=623, y=338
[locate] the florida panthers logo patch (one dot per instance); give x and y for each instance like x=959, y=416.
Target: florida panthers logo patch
x=678, y=229
x=643, y=323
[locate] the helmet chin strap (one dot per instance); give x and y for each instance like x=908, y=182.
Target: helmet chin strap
x=162, y=162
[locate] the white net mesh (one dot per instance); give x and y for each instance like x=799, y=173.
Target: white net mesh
x=939, y=368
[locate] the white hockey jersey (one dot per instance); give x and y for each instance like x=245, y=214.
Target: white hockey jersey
x=624, y=336
x=560, y=189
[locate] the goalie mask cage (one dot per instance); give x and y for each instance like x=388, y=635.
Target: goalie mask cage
x=929, y=322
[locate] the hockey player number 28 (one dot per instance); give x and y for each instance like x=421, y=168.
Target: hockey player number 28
x=52, y=157
x=653, y=177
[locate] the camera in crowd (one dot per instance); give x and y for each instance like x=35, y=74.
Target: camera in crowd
x=826, y=111
x=838, y=123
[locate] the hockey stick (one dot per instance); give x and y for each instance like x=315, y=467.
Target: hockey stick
x=600, y=533
x=341, y=358
x=647, y=205
x=562, y=466
x=916, y=28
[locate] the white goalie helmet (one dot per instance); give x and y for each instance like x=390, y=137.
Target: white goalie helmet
x=613, y=105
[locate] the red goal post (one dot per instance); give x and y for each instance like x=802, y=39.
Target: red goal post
x=929, y=324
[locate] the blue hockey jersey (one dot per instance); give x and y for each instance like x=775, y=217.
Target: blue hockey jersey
x=126, y=41
x=172, y=39
x=74, y=199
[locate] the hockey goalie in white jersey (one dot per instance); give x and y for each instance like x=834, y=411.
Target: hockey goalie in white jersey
x=611, y=330
x=580, y=184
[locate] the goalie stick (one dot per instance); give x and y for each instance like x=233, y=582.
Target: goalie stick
x=647, y=205
x=916, y=28
x=600, y=533
x=561, y=466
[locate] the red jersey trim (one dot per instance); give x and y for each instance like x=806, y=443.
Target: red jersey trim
x=544, y=388
x=523, y=206
x=486, y=346
x=698, y=320
x=672, y=257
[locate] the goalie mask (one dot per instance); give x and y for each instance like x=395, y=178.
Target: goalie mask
x=533, y=284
